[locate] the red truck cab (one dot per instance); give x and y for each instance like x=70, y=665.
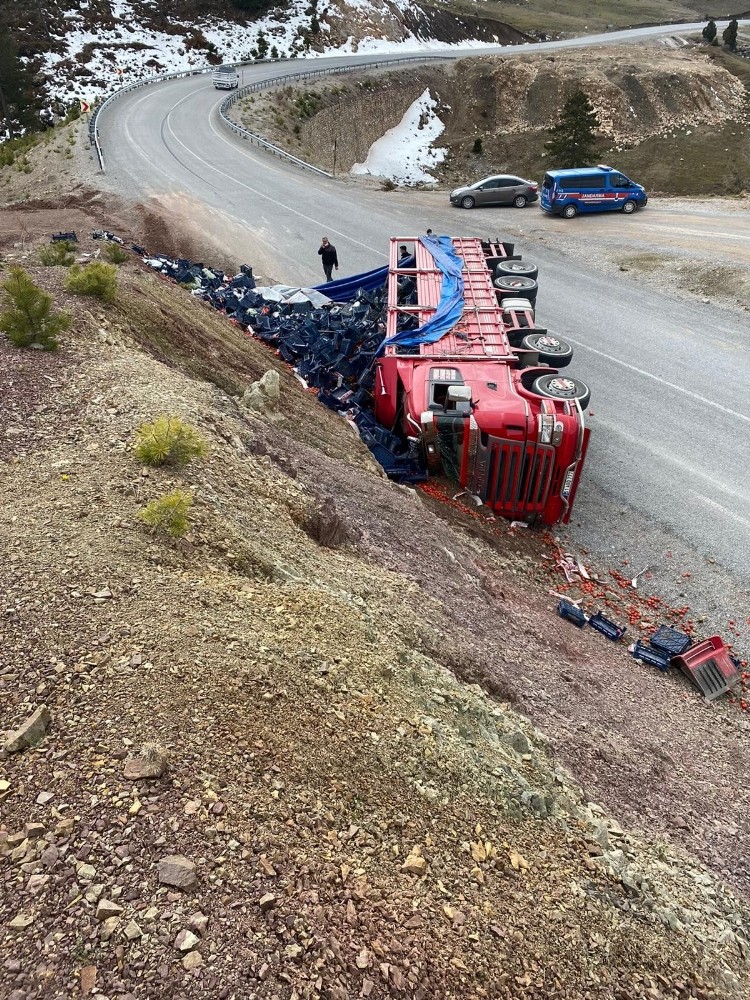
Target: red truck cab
x=479, y=404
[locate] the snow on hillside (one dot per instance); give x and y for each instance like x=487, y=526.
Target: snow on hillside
x=111, y=58
x=405, y=153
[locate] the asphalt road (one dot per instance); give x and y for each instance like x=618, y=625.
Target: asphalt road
x=667, y=479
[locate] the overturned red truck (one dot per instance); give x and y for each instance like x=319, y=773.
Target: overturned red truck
x=467, y=376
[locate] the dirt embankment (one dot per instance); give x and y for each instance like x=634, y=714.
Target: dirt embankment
x=676, y=118
x=351, y=818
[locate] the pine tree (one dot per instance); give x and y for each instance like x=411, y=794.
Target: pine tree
x=730, y=35
x=573, y=140
x=17, y=105
x=709, y=32
x=27, y=318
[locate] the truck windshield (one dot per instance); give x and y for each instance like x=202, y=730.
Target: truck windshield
x=451, y=434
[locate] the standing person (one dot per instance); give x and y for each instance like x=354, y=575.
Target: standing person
x=330, y=258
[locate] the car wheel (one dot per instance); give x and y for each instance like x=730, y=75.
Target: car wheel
x=512, y=268
x=629, y=207
x=562, y=387
x=553, y=351
x=516, y=286
x=467, y=202
x=570, y=211
x=520, y=201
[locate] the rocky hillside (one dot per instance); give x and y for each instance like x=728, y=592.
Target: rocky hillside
x=650, y=95
x=262, y=763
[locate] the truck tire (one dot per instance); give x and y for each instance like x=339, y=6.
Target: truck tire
x=553, y=351
x=516, y=286
x=562, y=387
x=570, y=211
x=512, y=268
x=629, y=207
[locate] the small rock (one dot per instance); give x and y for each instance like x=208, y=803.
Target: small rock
x=106, y=909
x=267, y=902
x=34, y=830
x=30, y=732
x=44, y=797
x=186, y=941
x=86, y=872
x=108, y=928
x=36, y=883
x=50, y=856
x=21, y=921
x=88, y=979
x=193, y=960
x=415, y=864
x=517, y=740
x=293, y=951
x=178, y=871
x=133, y=931
x=151, y=763
x=198, y=922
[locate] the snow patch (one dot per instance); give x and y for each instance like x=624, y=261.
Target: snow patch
x=405, y=153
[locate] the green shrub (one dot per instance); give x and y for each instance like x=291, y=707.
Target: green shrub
x=477, y=147
x=27, y=318
x=96, y=279
x=59, y=254
x=115, y=254
x=168, y=441
x=170, y=514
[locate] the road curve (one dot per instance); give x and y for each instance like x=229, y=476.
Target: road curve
x=667, y=469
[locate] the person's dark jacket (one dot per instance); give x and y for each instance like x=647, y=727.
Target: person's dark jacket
x=330, y=258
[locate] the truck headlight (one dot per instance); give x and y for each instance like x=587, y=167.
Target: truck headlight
x=546, y=427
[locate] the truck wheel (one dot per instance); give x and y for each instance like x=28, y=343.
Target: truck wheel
x=629, y=207
x=516, y=286
x=570, y=211
x=467, y=202
x=562, y=387
x=512, y=268
x=553, y=351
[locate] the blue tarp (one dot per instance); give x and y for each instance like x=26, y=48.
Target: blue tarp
x=345, y=289
x=451, y=303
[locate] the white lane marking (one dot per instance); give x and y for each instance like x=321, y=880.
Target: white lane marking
x=724, y=510
x=683, y=463
x=230, y=177
x=657, y=378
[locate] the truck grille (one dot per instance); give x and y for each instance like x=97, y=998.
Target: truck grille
x=513, y=477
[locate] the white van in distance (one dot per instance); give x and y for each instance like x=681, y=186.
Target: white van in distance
x=225, y=78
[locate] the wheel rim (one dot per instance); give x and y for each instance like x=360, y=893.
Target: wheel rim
x=520, y=202
x=628, y=207
x=517, y=282
x=561, y=386
x=516, y=265
x=468, y=202
x=550, y=345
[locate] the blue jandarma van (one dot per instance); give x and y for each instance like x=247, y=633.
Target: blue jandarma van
x=590, y=189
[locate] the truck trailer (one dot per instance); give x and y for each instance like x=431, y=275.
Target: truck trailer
x=467, y=377
x=225, y=78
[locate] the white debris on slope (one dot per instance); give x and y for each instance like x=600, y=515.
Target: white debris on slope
x=405, y=153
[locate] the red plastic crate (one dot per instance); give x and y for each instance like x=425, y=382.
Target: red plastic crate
x=709, y=666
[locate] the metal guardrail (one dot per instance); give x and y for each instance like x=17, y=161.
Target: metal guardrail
x=250, y=88
x=93, y=126
x=277, y=81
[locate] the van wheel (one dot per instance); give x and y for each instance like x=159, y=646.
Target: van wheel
x=467, y=202
x=516, y=286
x=519, y=201
x=512, y=268
x=629, y=207
x=553, y=351
x=562, y=387
x=570, y=212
